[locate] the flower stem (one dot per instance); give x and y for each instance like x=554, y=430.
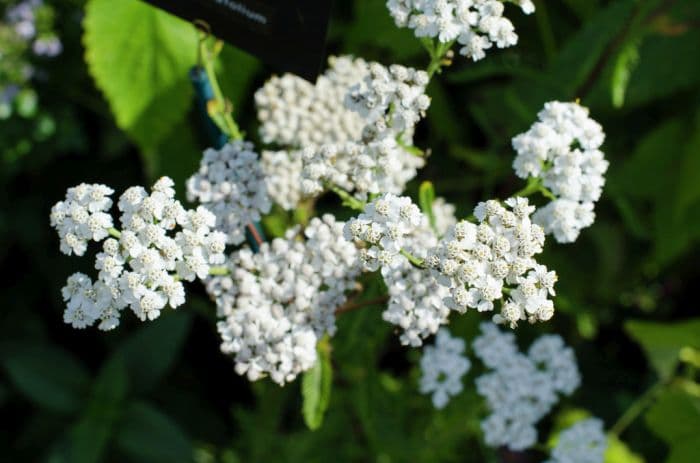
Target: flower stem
x=229, y=124
x=437, y=56
x=415, y=261
x=637, y=407
x=348, y=199
x=534, y=185
x=360, y=304
x=113, y=232
x=219, y=271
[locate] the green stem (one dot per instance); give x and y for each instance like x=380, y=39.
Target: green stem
x=437, y=56
x=113, y=232
x=533, y=186
x=231, y=127
x=348, y=199
x=637, y=407
x=219, y=271
x=415, y=261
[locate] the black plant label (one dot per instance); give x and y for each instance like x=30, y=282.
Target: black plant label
x=290, y=35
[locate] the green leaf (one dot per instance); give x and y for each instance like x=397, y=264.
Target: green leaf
x=149, y=354
x=579, y=56
x=316, y=387
x=48, y=376
x=89, y=437
x=583, y=8
x=146, y=434
x=667, y=65
x=675, y=418
x=625, y=64
x=619, y=452
x=662, y=342
x=426, y=197
x=139, y=57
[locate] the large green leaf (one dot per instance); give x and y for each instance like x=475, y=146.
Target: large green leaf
x=149, y=354
x=89, y=437
x=316, y=387
x=675, y=417
x=48, y=376
x=146, y=434
x=619, y=452
x=662, y=342
x=139, y=57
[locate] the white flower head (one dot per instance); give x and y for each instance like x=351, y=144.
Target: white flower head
x=493, y=261
x=82, y=217
x=477, y=25
x=583, y=442
x=279, y=302
x=521, y=389
x=443, y=365
x=562, y=149
x=231, y=183
x=143, y=265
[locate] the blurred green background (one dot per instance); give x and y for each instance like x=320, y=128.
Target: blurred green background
x=162, y=391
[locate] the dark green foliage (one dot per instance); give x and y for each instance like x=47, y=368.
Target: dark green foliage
x=162, y=391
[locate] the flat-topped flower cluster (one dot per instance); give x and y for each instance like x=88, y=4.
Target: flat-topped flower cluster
x=141, y=266
x=521, y=389
x=477, y=25
x=563, y=150
x=277, y=304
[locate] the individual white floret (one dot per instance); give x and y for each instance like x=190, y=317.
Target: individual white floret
x=475, y=24
x=443, y=365
x=583, y=442
x=562, y=149
x=231, y=183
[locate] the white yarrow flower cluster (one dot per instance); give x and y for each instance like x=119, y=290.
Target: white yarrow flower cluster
x=416, y=300
x=562, y=149
x=521, y=389
x=82, y=217
x=231, y=183
x=483, y=263
x=390, y=100
x=443, y=365
x=142, y=267
x=378, y=166
x=279, y=302
x=584, y=442
x=384, y=227
x=475, y=24
x=337, y=149
x=295, y=113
